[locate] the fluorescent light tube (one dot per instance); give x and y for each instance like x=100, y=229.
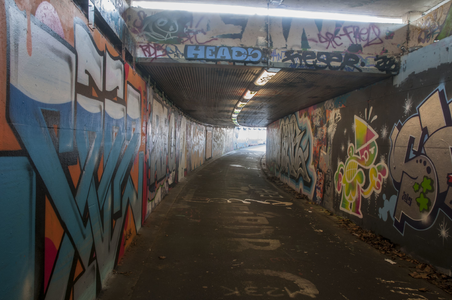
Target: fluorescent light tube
x=249, y=94
x=272, y=12
x=264, y=78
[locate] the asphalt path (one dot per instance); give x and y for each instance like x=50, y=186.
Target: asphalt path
x=227, y=232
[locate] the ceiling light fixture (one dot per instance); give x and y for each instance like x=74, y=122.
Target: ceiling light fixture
x=435, y=7
x=260, y=11
x=264, y=78
x=249, y=94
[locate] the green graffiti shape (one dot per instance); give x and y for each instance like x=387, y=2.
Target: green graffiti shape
x=416, y=187
x=423, y=202
x=427, y=185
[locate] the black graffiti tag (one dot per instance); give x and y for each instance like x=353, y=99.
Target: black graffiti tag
x=323, y=60
x=387, y=64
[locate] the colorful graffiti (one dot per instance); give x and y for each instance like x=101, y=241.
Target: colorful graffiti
x=185, y=28
x=86, y=153
x=77, y=113
x=296, y=154
x=213, y=53
x=421, y=174
x=350, y=178
x=305, y=136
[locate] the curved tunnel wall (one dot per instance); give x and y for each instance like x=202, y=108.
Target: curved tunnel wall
x=380, y=156
x=87, y=150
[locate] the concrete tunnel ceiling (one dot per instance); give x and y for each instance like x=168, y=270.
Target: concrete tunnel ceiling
x=208, y=92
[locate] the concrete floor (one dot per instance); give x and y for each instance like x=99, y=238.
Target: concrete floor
x=207, y=241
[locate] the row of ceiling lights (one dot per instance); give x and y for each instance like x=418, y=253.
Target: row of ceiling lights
x=263, y=78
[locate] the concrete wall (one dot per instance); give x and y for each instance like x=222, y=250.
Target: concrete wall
x=381, y=156
x=436, y=25
x=179, y=28
x=163, y=36
x=87, y=149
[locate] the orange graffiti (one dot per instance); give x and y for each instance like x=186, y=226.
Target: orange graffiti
x=78, y=270
x=75, y=172
x=8, y=142
x=53, y=229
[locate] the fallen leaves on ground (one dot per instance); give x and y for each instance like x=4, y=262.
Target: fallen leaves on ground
x=122, y=273
x=422, y=271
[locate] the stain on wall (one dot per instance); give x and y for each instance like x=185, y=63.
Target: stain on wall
x=198, y=145
x=208, y=142
x=222, y=141
x=181, y=145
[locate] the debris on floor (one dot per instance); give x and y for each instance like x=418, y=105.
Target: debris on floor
x=390, y=261
x=122, y=273
x=423, y=271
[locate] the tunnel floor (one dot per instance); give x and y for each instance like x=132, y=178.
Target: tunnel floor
x=227, y=232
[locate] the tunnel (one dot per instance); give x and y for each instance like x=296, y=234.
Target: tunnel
x=222, y=149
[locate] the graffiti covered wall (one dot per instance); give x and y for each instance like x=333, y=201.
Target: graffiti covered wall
x=298, y=148
x=381, y=156
x=87, y=149
x=222, y=141
x=168, y=36
x=75, y=118
x=434, y=26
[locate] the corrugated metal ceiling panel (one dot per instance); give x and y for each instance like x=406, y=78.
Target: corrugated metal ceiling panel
x=208, y=93
x=292, y=90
